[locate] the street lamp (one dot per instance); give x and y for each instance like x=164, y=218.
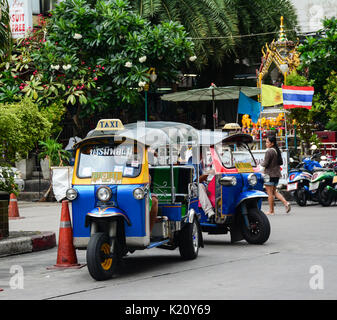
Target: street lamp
x=153, y=77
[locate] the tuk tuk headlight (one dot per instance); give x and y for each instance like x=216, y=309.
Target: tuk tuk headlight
x=266, y=178
x=228, y=181
x=104, y=193
x=71, y=194
x=138, y=193
x=252, y=179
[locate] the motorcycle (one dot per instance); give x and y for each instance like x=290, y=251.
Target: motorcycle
x=324, y=180
x=300, y=179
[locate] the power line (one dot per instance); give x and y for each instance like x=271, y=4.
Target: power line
x=248, y=35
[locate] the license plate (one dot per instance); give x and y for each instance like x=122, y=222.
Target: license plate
x=334, y=179
x=313, y=186
x=291, y=186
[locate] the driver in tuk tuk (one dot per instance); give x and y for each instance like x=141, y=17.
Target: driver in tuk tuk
x=202, y=183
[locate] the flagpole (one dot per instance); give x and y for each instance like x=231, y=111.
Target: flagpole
x=260, y=84
x=237, y=113
x=286, y=129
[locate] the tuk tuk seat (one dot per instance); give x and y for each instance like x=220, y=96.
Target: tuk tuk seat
x=161, y=182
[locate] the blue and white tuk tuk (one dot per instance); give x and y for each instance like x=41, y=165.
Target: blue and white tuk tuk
x=116, y=174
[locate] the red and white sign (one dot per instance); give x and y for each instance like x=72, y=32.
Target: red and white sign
x=21, y=17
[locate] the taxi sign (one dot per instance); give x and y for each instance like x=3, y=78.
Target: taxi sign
x=109, y=124
x=244, y=167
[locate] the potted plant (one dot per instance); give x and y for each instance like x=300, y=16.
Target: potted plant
x=7, y=186
x=51, y=155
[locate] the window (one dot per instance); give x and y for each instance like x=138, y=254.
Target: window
x=117, y=157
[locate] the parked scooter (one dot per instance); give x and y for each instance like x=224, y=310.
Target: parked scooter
x=323, y=183
x=299, y=180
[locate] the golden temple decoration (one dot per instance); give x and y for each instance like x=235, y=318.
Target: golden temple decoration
x=283, y=53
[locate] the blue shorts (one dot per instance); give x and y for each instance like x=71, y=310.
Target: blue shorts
x=273, y=182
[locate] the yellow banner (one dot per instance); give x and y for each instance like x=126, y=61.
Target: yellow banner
x=271, y=95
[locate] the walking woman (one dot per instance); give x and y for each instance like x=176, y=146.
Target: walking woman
x=271, y=163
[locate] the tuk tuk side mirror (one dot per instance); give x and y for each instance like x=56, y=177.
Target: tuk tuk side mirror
x=228, y=181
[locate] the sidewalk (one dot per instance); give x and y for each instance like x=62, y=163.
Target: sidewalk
x=37, y=229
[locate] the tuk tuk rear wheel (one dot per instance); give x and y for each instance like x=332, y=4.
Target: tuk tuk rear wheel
x=101, y=260
x=189, y=241
x=259, y=231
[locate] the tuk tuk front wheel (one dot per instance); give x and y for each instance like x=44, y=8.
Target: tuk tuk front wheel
x=189, y=241
x=259, y=227
x=101, y=260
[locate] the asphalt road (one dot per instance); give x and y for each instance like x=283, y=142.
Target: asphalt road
x=298, y=262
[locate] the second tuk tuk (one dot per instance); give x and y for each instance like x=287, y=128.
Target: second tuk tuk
x=111, y=193
x=235, y=188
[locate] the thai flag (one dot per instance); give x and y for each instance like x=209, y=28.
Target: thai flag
x=297, y=97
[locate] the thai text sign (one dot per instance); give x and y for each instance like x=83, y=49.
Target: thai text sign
x=21, y=17
x=244, y=167
x=106, y=178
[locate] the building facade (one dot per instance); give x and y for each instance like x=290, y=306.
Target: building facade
x=311, y=12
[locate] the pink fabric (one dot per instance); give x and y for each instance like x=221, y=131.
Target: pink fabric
x=211, y=189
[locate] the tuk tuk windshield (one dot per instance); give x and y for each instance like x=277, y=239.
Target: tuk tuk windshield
x=234, y=153
x=115, y=157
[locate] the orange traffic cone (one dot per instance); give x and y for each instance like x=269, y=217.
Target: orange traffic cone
x=66, y=254
x=13, y=210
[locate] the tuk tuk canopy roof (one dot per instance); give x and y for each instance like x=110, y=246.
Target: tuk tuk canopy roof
x=209, y=138
x=152, y=133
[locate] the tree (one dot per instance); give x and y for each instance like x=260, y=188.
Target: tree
x=22, y=126
x=261, y=20
x=213, y=24
x=319, y=62
x=94, y=58
x=5, y=35
x=216, y=26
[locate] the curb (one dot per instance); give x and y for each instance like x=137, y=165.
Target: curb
x=25, y=242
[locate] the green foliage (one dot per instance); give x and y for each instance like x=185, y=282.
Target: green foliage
x=102, y=47
x=213, y=20
x=319, y=54
x=253, y=21
x=5, y=35
x=54, y=152
x=216, y=25
x=331, y=93
x=93, y=56
x=21, y=127
x=319, y=61
x=54, y=114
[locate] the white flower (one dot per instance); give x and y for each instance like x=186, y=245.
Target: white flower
x=56, y=67
x=193, y=58
x=142, y=59
x=128, y=64
x=77, y=36
x=141, y=84
x=68, y=66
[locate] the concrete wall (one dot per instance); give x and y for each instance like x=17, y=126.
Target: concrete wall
x=311, y=12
